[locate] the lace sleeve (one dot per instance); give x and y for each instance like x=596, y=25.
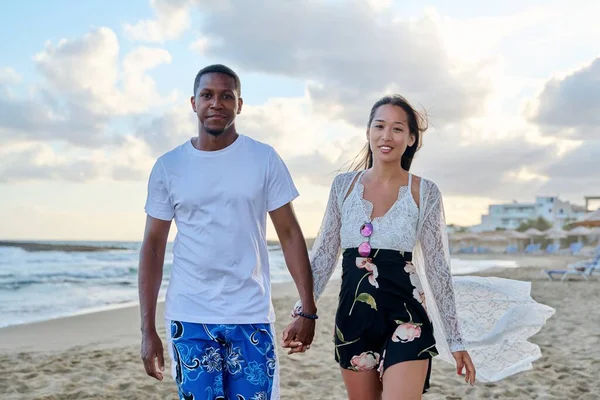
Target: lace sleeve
x=326, y=247
x=434, y=242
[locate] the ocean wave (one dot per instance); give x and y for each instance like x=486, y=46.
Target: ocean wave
x=14, y=282
x=66, y=247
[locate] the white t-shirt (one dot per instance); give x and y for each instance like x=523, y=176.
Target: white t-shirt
x=219, y=200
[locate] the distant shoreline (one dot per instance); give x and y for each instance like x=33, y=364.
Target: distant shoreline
x=35, y=246
x=45, y=246
x=309, y=243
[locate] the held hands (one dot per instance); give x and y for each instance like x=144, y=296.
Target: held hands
x=463, y=360
x=299, y=334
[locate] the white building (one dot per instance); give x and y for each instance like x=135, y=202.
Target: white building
x=510, y=216
x=559, y=212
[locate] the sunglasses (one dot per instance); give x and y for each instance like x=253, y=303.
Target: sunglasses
x=365, y=247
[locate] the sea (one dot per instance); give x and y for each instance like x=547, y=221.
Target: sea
x=42, y=285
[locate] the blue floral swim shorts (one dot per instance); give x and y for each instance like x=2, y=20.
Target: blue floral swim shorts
x=217, y=362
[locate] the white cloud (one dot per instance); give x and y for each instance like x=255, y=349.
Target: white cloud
x=87, y=64
x=129, y=161
x=42, y=118
x=569, y=105
x=172, y=19
x=87, y=71
x=576, y=173
x=85, y=86
x=380, y=5
x=290, y=125
x=482, y=36
x=166, y=131
x=366, y=56
x=200, y=45
x=39, y=161
x=9, y=76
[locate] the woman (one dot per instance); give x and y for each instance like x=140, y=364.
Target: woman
x=397, y=307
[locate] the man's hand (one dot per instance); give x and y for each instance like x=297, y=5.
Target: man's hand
x=152, y=354
x=152, y=256
x=463, y=360
x=299, y=334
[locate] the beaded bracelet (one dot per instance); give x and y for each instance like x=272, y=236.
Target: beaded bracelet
x=309, y=316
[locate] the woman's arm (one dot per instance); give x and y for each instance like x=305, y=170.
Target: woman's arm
x=434, y=242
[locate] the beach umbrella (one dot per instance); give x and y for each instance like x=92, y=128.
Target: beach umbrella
x=596, y=232
x=514, y=236
x=492, y=238
x=590, y=220
x=532, y=233
x=555, y=233
x=580, y=231
x=464, y=236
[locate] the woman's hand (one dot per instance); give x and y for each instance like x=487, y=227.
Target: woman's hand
x=299, y=335
x=463, y=360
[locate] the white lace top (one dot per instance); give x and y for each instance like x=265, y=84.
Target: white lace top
x=492, y=318
x=396, y=230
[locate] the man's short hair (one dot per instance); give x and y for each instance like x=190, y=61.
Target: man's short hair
x=220, y=69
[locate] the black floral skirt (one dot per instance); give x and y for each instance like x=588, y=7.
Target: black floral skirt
x=382, y=316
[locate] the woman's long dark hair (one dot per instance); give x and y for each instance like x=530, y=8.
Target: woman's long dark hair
x=417, y=124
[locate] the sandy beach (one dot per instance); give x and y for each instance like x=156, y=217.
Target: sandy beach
x=96, y=356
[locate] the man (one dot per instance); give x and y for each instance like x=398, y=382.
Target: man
x=218, y=187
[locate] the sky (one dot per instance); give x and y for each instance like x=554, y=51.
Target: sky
x=91, y=93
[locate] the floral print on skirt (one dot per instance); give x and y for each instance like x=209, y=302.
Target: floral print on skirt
x=382, y=313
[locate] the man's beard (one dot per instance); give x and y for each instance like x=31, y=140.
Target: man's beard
x=214, y=132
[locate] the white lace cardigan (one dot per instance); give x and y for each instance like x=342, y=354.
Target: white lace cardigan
x=492, y=318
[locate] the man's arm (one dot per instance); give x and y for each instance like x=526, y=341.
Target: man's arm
x=152, y=257
x=295, y=254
